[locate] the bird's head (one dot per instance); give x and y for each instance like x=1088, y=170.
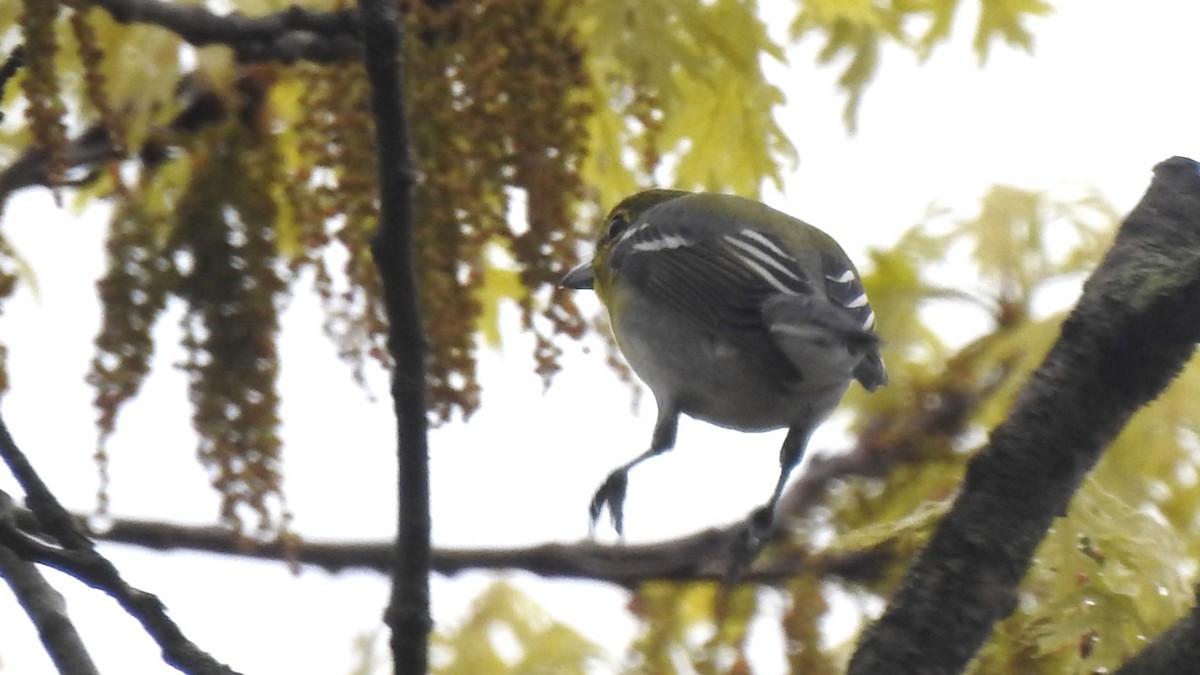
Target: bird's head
x=623, y=216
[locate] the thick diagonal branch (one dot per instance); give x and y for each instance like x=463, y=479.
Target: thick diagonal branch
x=1133, y=330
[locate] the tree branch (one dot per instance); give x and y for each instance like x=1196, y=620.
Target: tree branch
x=46, y=608
x=13, y=63
x=407, y=614
x=199, y=108
x=290, y=35
x=700, y=556
x=80, y=559
x=32, y=167
x=1134, y=328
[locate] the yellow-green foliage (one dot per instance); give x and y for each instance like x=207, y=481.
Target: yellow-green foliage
x=856, y=32
x=802, y=628
x=505, y=632
x=703, y=622
x=1108, y=578
x=667, y=78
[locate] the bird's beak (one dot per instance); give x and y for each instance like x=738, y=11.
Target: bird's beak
x=580, y=278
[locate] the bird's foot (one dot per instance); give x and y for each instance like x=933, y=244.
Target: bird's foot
x=748, y=543
x=611, y=494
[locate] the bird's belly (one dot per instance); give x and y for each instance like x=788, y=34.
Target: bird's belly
x=720, y=383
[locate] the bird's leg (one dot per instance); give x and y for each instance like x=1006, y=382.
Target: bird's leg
x=758, y=526
x=612, y=491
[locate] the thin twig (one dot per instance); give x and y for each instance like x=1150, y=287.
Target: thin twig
x=79, y=558
x=11, y=65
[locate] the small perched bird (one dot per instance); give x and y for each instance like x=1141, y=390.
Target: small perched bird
x=735, y=314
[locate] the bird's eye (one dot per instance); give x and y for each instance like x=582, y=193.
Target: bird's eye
x=617, y=223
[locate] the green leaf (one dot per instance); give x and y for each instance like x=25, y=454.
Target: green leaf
x=506, y=632
x=1005, y=19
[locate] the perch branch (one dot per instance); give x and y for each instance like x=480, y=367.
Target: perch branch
x=699, y=556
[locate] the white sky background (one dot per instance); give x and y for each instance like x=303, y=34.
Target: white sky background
x=1110, y=91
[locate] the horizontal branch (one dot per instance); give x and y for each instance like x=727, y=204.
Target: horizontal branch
x=199, y=108
x=700, y=556
x=884, y=444
x=290, y=35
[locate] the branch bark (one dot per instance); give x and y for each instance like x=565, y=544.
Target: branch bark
x=45, y=606
x=700, y=556
x=47, y=611
x=79, y=558
x=290, y=35
x=407, y=614
x=1134, y=328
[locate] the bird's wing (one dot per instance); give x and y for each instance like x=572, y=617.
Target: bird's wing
x=845, y=292
x=709, y=277
x=726, y=277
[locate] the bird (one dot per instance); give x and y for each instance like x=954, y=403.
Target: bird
x=732, y=313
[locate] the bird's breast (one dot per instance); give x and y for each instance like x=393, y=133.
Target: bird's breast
x=715, y=379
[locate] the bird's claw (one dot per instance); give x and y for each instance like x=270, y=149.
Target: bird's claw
x=748, y=543
x=612, y=494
